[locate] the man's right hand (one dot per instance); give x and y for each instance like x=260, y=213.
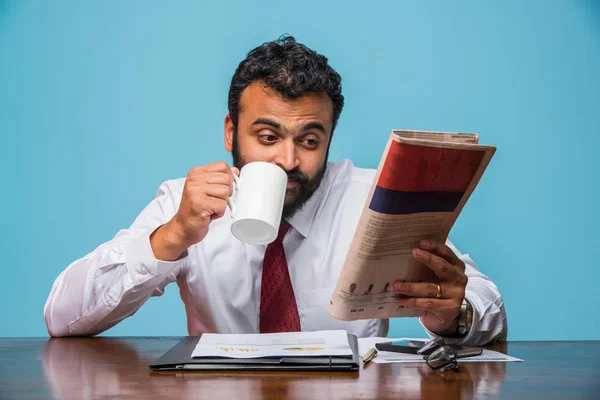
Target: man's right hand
x=204, y=199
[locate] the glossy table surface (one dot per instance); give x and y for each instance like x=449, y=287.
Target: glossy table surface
x=117, y=368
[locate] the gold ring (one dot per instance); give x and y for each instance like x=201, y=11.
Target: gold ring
x=439, y=293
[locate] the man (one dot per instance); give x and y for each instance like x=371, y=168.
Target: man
x=284, y=103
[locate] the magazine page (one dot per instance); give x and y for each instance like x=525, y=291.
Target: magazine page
x=422, y=184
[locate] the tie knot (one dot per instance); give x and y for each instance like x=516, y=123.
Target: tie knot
x=283, y=229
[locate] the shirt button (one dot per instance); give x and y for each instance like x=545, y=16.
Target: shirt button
x=143, y=270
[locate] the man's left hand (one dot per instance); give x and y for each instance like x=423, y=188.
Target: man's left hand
x=441, y=314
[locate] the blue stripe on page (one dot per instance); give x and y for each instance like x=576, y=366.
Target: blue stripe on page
x=389, y=201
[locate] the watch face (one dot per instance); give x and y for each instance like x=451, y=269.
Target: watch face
x=469, y=318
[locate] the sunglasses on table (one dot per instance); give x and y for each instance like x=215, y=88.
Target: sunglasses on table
x=437, y=354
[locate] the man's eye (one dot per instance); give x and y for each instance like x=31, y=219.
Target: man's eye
x=310, y=143
x=268, y=138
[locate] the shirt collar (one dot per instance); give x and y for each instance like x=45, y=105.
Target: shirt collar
x=302, y=221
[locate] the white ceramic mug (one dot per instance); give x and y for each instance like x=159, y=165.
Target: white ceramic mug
x=258, y=207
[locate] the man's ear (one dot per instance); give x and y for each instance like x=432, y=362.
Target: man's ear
x=228, y=133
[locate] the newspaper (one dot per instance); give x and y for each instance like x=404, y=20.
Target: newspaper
x=423, y=181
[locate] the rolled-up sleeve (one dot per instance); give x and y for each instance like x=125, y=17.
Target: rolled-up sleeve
x=113, y=281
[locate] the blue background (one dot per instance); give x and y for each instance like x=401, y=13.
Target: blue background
x=101, y=101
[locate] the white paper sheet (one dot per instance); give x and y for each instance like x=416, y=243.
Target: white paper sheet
x=297, y=344
x=383, y=357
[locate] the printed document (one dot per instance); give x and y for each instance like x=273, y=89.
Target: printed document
x=287, y=344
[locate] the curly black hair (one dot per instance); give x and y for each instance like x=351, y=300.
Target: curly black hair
x=290, y=68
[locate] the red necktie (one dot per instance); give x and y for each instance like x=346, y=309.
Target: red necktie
x=278, y=308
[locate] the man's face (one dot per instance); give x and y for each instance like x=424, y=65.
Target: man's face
x=291, y=133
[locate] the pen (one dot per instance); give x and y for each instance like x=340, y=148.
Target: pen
x=371, y=354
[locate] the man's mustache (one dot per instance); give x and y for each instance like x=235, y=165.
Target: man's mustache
x=296, y=175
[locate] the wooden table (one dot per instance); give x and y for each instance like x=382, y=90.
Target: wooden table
x=117, y=368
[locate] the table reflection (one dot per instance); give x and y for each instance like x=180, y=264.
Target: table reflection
x=91, y=368
x=472, y=380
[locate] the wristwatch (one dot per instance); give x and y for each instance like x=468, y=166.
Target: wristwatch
x=465, y=318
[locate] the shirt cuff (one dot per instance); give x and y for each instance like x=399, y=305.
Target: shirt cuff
x=471, y=336
x=142, y=264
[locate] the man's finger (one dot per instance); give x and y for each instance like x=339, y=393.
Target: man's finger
x=440, y=250
x=417, y=289
x=427, y=304
x=216, y=206
x=223, y=178
x=219, y=166
x=219, y=191
x=442, y=268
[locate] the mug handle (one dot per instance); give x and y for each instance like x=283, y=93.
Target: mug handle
x=230, y=202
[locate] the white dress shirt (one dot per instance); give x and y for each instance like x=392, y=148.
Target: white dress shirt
x=220, y=278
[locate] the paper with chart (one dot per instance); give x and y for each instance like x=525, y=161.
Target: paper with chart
x=385, y=357
x=423, y=181
x=296, y=344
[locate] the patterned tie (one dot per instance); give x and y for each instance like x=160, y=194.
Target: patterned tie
x=278, y=309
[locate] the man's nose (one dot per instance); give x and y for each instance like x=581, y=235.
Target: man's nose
x=286, y=156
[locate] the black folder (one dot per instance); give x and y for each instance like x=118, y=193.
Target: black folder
x=179, y=358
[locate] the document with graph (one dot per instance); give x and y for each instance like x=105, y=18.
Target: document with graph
x=423, y=182
x=296, y=344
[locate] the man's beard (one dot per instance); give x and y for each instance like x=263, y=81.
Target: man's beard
x=305, y=187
